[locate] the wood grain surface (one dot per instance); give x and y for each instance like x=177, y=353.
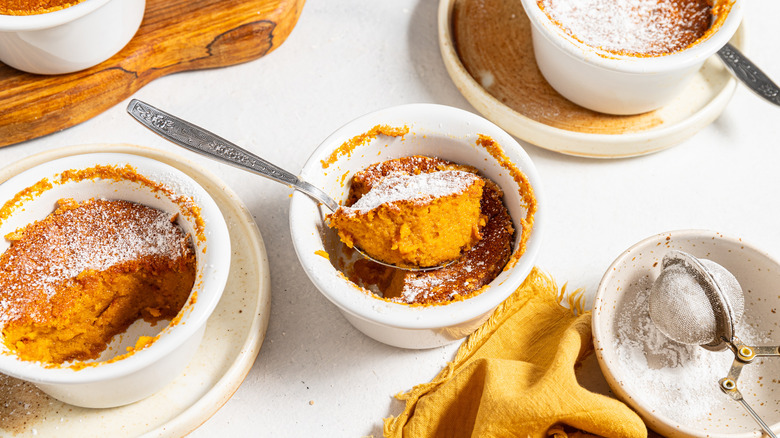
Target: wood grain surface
x=175, y=36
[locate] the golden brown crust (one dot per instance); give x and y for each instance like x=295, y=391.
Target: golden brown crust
x=690, y=18
x=110, y=172
x=34, y=7
x=70, y=282
x=348, y=146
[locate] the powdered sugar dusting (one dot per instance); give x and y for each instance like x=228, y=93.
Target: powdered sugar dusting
x=399, y=186
x=422, y=287
x=425, y=286
x=464, y=277
x=632, y=26
x=96, y=235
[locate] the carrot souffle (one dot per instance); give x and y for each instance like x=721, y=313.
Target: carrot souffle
x=71, y=281
x=411, y=218
x=637, y=27
x=34, y=7
x=488, y=231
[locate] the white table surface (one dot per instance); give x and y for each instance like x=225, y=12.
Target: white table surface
x=315, y=374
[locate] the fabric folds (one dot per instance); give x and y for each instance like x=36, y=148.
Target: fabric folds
x=515, y=377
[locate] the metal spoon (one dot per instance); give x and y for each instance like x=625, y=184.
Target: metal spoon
x=197, y=139
x=750, y=75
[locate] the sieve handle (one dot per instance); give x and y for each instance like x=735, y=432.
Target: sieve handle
x=758, y=419
x=767, y=351
x=729, y=386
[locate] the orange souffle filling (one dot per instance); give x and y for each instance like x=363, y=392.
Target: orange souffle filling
x=70, y=282
x=474, y=267
x=415, y=219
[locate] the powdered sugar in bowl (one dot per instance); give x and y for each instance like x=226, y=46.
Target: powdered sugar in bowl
x=146, y=356
x=674, y=387
x=627, y=57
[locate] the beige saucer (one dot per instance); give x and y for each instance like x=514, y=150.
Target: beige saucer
x=487, y=49
x=233, y=337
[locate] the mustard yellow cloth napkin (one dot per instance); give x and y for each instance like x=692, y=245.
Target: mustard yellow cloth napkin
x=514, y=377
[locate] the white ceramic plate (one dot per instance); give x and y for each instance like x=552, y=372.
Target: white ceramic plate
x=686, y=401
x=233, y=337
x=700, y=104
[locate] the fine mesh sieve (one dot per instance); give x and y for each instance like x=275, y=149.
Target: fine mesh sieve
x=696, y=301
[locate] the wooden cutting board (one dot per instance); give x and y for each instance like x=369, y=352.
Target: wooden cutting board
x=175, y=36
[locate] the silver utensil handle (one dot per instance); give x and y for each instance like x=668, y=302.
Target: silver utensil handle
x=197, y=139
x=764, y=427
x=749, y=74
x=729, y=386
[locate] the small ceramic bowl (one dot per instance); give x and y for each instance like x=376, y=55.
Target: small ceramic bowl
x=70, y=39
x=105, y=383
x=673, y=387
x=618, y=84
x=434, y=130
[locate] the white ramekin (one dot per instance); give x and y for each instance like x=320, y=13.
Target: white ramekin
x=146, y=371
x=70, y=39
x=617, y=84
x=434, y=130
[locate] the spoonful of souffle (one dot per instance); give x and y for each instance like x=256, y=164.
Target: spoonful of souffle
x=439, y=221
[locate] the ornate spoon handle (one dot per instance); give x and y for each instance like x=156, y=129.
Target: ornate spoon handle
x=197, y=139
x=749, y=74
